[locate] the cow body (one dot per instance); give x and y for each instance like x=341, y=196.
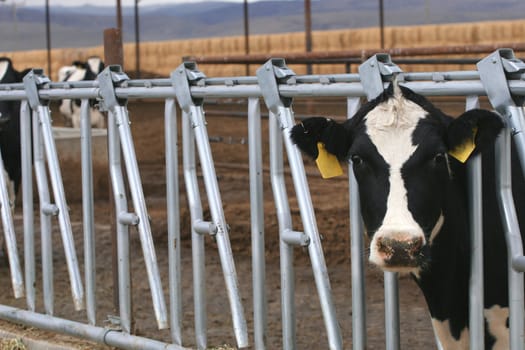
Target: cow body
x=414, y=202
x=10, y=129
x=78, y=71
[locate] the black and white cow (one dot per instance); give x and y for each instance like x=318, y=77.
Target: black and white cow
x=10, y=129
x=78, y=71
x=414, y=202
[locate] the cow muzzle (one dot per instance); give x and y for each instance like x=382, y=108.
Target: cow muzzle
x=399, y=252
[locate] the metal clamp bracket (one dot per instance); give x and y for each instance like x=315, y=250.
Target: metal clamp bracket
x=269, y=76
x=205, y=227
x=295, y=238
x=33, y=81
x=111, y=77
x=376, y=70
x=182, y=78
x=494, y=70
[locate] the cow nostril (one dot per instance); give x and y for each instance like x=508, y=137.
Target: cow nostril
x=414, y=246
x=384, y=245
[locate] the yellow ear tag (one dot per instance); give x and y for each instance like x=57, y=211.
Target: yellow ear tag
x=463, y=151
x=327, y=163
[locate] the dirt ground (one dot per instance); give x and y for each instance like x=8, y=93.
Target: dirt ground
x=226, y=123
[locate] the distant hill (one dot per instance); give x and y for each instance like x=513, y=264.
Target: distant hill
x=23, y=28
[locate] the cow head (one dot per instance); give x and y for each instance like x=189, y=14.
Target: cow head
x=399, y=147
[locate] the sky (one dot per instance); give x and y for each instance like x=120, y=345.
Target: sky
x=104, y=2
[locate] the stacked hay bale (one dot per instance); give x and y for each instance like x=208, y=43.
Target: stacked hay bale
x=160, y=58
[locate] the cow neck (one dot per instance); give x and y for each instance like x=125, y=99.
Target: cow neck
x=445, y=282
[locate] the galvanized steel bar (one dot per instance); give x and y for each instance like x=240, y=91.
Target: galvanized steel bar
x=121, y=206
x=284, y=219
x=197, y=240
x=268, y=75
x=17, y=281
x=139, y=204
x=88, y=215
x=476, y=285
x=359, y=338
x=63, y=211
x=32, y=82
x=27, y=203
x=193, y=109
x=513, y=238
x=45, y=220
x=260, y=305
x=104, y=336
x=173, y=213
x=429, y=84
x=109, y=77
x=494, y=71
x=196, y=116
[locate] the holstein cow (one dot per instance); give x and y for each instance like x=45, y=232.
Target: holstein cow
x=78, y=71
x=10, y=129
x=414, y=202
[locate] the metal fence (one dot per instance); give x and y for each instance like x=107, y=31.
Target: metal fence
x=500, y=76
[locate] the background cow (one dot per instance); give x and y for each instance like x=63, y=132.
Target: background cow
x=10, y=129
x=414, y=202
x=78, y=71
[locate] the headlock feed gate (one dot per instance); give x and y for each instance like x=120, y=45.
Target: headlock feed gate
x=499, y=76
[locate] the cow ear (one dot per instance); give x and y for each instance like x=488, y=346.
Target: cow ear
x=472, y=132
x=331, y=134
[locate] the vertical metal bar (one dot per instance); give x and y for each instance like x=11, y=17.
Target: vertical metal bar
x=476, y=299
x=197, y=240
x=121, y=206
x=139, y=204
x=285, y=223
x=517, y=125
x=88, y=211
x=17, y=281
x=27, y=203
x=356, y=251
x=392, y=311
x=45, y=220
x=513, y=238
x=310, y=226
x=172, y=203
x=214, y=198
x=257, y=223
x=63, y=213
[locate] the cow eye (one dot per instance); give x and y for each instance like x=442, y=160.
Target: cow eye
x=439, y=158
x=356, y=160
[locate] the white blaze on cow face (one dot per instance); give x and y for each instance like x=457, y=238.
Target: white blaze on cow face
x=390, y=126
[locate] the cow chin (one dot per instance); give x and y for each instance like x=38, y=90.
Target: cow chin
x=414, y=269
